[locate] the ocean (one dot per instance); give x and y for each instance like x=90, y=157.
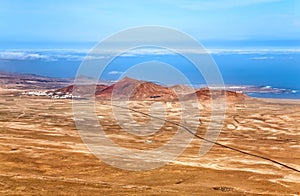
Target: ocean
x=265, y=66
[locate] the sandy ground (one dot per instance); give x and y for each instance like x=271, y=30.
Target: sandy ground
x=41, y=151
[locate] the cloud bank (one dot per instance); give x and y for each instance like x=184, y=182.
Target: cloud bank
x=80, y=55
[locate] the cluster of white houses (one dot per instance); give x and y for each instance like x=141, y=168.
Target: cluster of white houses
x=53, y=95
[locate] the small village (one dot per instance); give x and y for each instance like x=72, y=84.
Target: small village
x=53, y=95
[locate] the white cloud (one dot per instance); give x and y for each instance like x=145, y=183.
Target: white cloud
x=147, y=51
x=139, y=52
x=10, y=55
x=262, y=58
x=115, y=72
x=46, y=55
x=74, y=55
x=253, y=51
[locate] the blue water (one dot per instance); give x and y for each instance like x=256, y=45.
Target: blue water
x=275, y=68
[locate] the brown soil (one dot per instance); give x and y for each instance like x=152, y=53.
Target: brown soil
x=41, y=152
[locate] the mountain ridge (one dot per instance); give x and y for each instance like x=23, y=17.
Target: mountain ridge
x=132, y=89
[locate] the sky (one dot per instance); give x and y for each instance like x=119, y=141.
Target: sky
x=93, y=20
x=252, y=41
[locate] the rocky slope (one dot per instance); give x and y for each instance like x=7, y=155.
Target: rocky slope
x=132, y=89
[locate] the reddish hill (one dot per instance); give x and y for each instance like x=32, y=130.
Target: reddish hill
x=136, y=90
x=235, y=96
x=206, y=94
x=119, y=89
x=128, y=88
x=182, y=89
x=82, y=89
x=149, y=90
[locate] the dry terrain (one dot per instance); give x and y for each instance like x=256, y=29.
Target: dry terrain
x=41, y=152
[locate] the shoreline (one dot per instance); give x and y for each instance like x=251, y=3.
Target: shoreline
x=275, y=100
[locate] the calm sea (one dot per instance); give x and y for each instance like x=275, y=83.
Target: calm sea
x=276, y=67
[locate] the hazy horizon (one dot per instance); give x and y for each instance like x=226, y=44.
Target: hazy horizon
x=253, y=42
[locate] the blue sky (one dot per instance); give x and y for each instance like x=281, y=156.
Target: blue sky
x=252, y=41
x=93, y=20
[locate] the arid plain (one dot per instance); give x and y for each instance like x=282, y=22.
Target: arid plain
x=41, y=151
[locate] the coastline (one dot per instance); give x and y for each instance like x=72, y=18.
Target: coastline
x=281, y=101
